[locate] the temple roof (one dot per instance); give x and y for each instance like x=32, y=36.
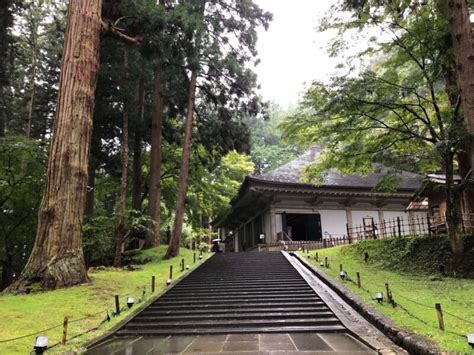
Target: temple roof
x=292, y=173
x=256, y=191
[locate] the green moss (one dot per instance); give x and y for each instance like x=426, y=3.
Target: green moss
x=426, y=255
x=25, y=314
x=411, y=268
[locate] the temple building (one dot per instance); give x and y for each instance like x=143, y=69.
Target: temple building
x=278, y=206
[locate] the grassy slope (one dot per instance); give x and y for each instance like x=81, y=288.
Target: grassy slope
x=455, y=295
x=25, y=314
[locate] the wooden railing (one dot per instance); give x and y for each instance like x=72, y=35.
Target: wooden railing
x=299, y=245
x=393, y=228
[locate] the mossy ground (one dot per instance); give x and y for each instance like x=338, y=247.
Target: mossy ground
x=26, y=314
x=411, y=268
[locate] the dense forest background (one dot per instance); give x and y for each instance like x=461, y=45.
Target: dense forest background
x=231, y=121
x=129, y=124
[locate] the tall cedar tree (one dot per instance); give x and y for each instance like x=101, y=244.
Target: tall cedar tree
x=463, y=45
x=224, y=82
x=57, y=259
x=120, y=233
x=408, y=104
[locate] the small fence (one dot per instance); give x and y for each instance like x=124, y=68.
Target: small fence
x=369, y=229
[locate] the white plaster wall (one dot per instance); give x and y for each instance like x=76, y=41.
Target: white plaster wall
x=267, y=226
x=279, y=223
x=392, y=215
x=333, y=222
x=358, y=216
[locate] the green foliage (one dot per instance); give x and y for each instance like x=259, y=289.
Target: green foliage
x=210, y=190
x=36, y=46
x=395, y=111
x=268, y=150
x=410, y=266
x=422, y=255
x=22, y=178
x=91, y=300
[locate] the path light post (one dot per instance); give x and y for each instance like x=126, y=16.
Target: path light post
x=389, y=294
x=117, y=305
x=63, y=341
x=379, y=297
x=439, y=312
x=41, y=344
x=470, y=339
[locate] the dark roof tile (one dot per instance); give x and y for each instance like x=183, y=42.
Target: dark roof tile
x=292, y=173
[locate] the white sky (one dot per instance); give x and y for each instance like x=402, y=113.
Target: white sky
x=292, y=52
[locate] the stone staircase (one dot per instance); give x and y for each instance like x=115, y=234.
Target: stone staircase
x=237, y=293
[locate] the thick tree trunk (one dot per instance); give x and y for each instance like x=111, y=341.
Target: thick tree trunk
x=7, y=272
x=57, y=259
x=90, y=196
x=137, y=149
x=463, y=156
x=120, y=226
x=154, y=196
x=122, y=205
x=32, y=93
x=453, y=213
x=173, y=249
x=463, y=45
x=6, y=21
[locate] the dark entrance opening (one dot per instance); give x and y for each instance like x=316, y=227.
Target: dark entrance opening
x=301, y=227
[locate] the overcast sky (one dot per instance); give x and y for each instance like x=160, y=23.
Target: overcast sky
x=290, y=51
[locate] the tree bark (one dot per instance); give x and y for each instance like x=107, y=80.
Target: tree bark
x=463, y=45
x=453, y=212
x=173, y=249
x=137, y=149
x=57, y=258
x=154, y=196
x=90, y=194
x=463, y=156
x=34, y=42
x=122, y=205
x=32, y=93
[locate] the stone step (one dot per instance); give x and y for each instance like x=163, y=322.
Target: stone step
x=233, y=330
x=245, y=297
x=240, y=286
x=217, y=323
x=240, y=301
x=243, y=282
x=205, y=311
x=177, y=293
x=213, y=306
x=236, y=293
x=152, y=317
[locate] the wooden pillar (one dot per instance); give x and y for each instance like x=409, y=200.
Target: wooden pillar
x=382, y=230
x=349, y=217
x=411, y=222
x=273, y=226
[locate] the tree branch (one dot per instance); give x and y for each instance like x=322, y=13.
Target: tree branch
x=108, y=28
